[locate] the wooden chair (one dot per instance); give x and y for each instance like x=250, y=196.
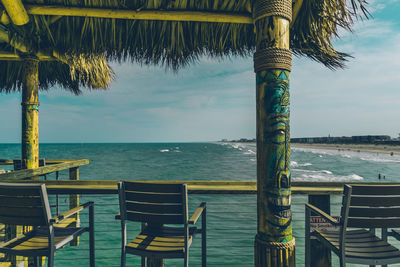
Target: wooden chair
x=28, y=204
x=363, y=206
x=156, y=206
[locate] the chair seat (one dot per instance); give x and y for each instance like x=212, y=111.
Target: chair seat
x=167, y=240
x=37, y=241
x=359, y=244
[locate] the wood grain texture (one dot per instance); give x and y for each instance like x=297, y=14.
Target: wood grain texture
x=140, y=15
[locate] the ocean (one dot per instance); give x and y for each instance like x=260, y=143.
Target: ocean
x=231, y=218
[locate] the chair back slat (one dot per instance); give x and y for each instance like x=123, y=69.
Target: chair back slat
x=373, y=222
x=152, y=187
x=150, y=197
x=373, y=212
x=154, y=218
x=22, y=220
x=373, y=206
x=369, y=190
x=171, y=208
x=375, y=201
x=23, y=204
x=155, y=203
x=18, y=201
x=19, y=211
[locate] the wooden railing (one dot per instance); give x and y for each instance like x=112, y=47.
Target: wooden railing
x=319, y=193
x=25, y=175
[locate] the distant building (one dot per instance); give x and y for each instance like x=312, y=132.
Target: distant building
x=361, y=139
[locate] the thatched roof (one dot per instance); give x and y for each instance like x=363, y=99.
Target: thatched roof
x=176, y=43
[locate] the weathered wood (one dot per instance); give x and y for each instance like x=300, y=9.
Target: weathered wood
x=8, y=56
x=373, y=212
x=320, y=255
x=30, y=113
x=22, y=174
x=4, y=19
x=48, y=161
x=360, y=246
x=153, y=198
x=196, y=215
x=140, y=15
x=375, y=201
x=194, y=187
x=174, y=208
x=368, y=190
x=274, y=242
x=374, y=222
x=16, y=11
x=153, y=188
x=154, y=218
x=74, y=201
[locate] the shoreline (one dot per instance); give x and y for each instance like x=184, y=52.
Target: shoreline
x=369, y=148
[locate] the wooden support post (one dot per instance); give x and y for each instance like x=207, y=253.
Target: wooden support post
x=320, y=255
x=16, y=11
x=274, y=243
x=30, y=114
x=172, y=15
x=74, y=201
x=30, y=119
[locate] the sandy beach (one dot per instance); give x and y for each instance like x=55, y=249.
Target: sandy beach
x=384, y=149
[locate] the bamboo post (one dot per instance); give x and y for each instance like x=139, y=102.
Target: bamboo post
x=274, y=243
x=74, y=202
x=30, y=119
x=16, y=11
x=30, y=114
x=320, y=255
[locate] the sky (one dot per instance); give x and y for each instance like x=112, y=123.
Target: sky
x=215, y=99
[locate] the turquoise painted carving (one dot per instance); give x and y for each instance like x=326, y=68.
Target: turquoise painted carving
x=273, y=139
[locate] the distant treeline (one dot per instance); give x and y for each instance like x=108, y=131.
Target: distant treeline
x=361, y=139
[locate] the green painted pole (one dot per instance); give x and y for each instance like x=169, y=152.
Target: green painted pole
x=274, y=243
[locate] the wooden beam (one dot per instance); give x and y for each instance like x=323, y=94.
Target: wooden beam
x=22, y=48
x=295, y=11
x=198, y=16
x=22, y=174
x=4, y=19
x=9, y=56
x=16, y=11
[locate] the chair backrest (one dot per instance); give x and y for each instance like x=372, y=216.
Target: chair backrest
x=24, y=204
x=153, y=203
x=371, y=206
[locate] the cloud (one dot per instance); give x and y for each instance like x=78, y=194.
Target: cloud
x=215, y=99
x=362, y=99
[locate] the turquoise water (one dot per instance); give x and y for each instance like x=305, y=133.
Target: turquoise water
x=231, y=218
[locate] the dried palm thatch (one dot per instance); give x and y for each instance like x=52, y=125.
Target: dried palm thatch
x=176, y=43
x=82, y=71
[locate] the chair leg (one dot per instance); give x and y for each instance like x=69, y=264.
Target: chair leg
x=50, y=260
x=143, y=261
x=91, y=236
x=36, y=262
x=203, y=246
x=342, y=262
x=186, y=264
x=123, y=258
x=308, y=252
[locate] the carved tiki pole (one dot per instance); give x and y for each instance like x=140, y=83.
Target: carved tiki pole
x=30, y=113
x=274, y=243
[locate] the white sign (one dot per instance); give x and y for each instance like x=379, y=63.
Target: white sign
x=317, y=222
